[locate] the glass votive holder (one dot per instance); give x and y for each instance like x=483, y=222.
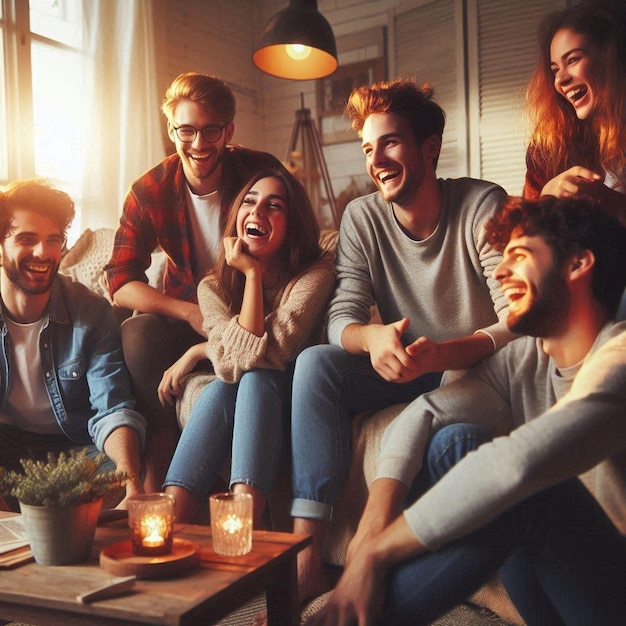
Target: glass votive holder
x=231, y=523
x=151, y=521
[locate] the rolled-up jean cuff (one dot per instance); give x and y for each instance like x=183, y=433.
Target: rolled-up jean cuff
x=310, y=509
x=249, y=483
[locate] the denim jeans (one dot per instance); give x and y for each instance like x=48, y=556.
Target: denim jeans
x=564, y=561
x=250, y=418
x=329, y=387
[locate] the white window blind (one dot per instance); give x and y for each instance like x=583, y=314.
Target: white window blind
x=478, y=55
x=503, y=50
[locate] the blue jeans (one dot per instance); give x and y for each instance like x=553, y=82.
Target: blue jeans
x=249, y=418
x=329, y=387
x=564, y=561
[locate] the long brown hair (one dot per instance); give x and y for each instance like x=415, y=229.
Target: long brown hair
x=299, y=249
x=559, y=139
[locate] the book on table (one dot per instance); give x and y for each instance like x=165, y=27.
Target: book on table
x=14, y=548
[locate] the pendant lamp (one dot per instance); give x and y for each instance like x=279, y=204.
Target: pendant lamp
x=297, y=43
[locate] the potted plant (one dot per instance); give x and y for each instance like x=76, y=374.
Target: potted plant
x=60, y=500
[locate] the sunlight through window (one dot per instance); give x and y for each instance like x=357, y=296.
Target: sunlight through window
x=58, y=112
x=57, y=65
x=4, y=140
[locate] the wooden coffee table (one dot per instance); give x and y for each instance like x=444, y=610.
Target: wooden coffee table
x=46, y=595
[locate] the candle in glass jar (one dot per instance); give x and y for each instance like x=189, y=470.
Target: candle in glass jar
x=231, y=523
x=153, y=531
x=151, y=520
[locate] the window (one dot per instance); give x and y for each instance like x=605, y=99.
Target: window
x=42, y=116
x=78, y=102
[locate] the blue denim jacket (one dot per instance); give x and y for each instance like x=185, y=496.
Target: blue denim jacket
x=82, y=365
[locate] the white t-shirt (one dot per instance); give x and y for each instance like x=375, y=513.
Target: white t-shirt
x=28, y=405
x=206, y=234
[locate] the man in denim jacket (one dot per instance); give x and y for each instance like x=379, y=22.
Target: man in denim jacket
x=63, y=382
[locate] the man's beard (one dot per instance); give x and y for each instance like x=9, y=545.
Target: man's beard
x=548, y=309
x=15, y=275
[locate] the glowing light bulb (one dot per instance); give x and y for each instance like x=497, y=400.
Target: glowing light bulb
x=297, y=51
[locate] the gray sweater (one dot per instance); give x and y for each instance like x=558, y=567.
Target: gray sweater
x=443, y=283
x=563, y=423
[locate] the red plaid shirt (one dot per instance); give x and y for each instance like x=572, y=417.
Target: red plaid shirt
x=156, y=213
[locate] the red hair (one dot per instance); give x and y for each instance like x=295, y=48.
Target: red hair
x=559, y=139
x=402, y=97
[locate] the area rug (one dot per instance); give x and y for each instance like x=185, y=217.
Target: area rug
x=463, y=615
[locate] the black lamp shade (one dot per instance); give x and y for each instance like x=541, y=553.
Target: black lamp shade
x=297, y=43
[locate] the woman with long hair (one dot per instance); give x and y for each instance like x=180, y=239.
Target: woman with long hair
x=261, y=306
x=577, y=102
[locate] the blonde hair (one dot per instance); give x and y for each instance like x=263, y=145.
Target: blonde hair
x=209, y=91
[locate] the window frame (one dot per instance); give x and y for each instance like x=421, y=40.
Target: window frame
x=18, y=88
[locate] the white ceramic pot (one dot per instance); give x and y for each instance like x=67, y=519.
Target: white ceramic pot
x=61, y=535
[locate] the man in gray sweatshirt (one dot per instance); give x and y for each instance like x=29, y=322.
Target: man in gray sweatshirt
x=561, y=392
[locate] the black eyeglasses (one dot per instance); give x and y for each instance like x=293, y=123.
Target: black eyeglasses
x=187, y=134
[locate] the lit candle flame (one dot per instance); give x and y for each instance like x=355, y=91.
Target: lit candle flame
x=153, y=528
x=232, y=524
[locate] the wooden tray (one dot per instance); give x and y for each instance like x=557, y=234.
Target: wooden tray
x=120, y=560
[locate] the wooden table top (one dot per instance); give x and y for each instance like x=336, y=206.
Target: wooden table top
x=200, y=595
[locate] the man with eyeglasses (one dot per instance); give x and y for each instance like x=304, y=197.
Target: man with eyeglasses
x=178, y=205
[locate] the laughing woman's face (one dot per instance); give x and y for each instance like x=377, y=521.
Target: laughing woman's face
x=572, y=67
x=262, y=218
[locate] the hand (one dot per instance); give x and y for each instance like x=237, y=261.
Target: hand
x=236, y=255
x=572, y=183
x=358, y=597
x=169, y=387
x=387, y=353
x=426, y=355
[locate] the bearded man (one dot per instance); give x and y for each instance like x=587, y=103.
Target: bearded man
x=63, y=381
x=514, y=503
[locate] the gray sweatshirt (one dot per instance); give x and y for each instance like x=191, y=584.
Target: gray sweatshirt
x=562, y=422
x=443, y=284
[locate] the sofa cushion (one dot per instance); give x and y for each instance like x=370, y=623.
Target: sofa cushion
x=85, y=261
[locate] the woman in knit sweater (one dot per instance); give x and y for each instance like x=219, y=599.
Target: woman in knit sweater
x=577, y=102
x=262, y=305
